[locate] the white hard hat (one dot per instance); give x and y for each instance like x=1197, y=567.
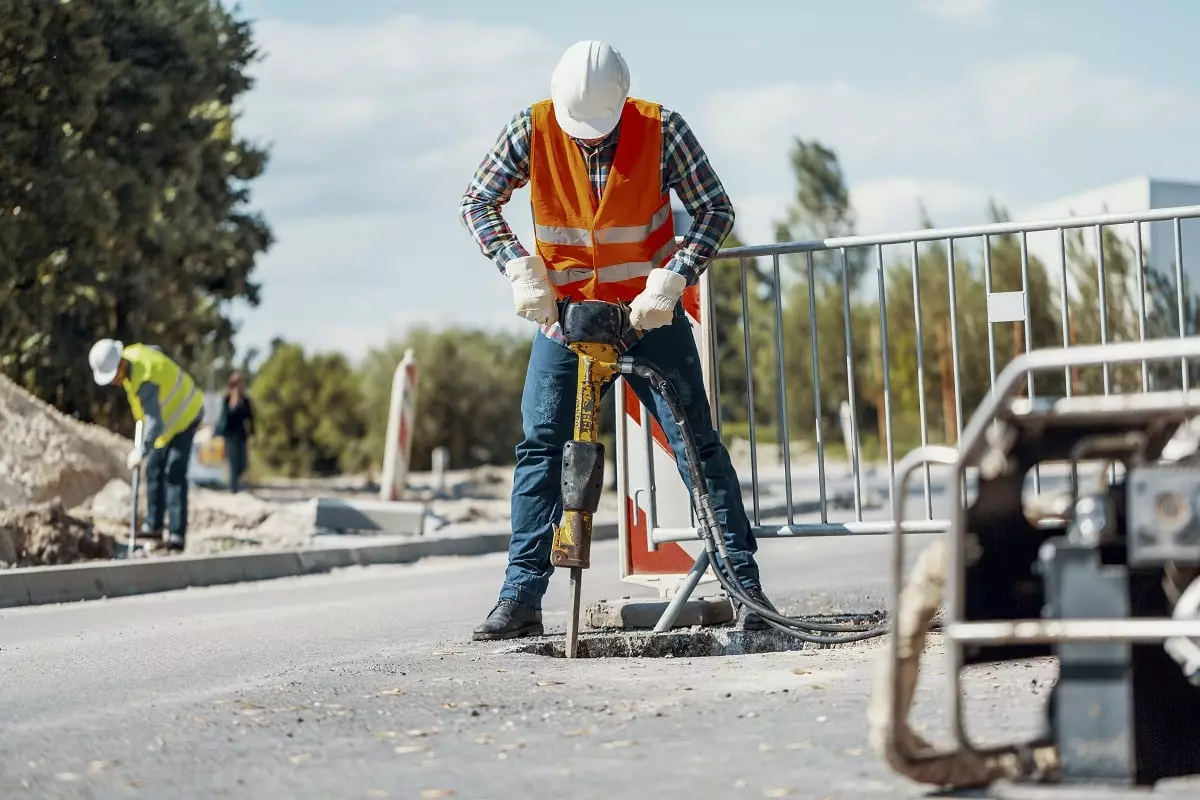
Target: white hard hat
x=105, y=360
x=589, y=87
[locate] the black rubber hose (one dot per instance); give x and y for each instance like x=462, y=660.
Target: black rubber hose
x=713, y=535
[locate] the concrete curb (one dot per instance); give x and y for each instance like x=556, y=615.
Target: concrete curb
x=31, y=586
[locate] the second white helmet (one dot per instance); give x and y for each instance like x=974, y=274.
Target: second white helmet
x=105, y=360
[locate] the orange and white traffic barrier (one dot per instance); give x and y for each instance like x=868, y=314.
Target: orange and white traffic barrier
x=652, y=493
x=397, y=452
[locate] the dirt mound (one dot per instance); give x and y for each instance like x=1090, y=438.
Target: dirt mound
x=206, y=508
x=45, y=455
x=46, y=534
x=217, y=521
x=66, y=490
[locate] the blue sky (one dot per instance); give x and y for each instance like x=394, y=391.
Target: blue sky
x=377, y=112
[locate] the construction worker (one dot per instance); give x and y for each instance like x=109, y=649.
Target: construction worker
x=600, y=166
x=171, y=407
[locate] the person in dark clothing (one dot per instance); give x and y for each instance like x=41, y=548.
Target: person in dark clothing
x=236, y=425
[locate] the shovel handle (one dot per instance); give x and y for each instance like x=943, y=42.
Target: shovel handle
x=138, y=433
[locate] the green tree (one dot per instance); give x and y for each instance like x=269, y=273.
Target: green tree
x=468, y=396
x=824, y=282
x=1163, y=321
x=1122, y=321
x=934, y=340
x=966, y=329
x=341, y=425
x=1045, y=319
x=821, y=209
x=741, y=303
x=123, y=187
x=308, y=413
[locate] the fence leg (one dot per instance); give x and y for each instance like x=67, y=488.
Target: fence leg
x=671, y=613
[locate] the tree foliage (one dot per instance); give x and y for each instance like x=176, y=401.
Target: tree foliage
x=123, y=186
x=468, y=396
x=309, y=413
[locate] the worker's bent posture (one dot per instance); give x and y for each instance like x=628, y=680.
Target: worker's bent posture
x=171, y=408
x=600, y=167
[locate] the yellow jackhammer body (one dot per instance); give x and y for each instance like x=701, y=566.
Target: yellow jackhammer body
x=593, y=330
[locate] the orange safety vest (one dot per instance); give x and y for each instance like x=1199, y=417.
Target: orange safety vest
x=600, y=250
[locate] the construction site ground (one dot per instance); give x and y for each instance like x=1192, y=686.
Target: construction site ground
x=65, y=495
x=365, y=684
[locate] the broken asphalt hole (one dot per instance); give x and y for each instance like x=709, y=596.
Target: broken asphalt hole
x=692, y=643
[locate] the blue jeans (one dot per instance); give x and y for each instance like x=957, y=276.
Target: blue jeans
x=548, y=418
x=167, y=483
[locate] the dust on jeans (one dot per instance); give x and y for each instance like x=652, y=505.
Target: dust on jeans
x=682, y=388
x=549, y=397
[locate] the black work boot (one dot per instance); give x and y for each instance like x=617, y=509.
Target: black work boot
x=747, y=618
x=509, y=620
x=147, y=532
x=175, y=542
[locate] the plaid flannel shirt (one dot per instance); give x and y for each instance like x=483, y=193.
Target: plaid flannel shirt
x=684, y=167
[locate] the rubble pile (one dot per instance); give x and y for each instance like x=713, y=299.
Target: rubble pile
x=217, y=521
x=45, y=455
x=45, y=534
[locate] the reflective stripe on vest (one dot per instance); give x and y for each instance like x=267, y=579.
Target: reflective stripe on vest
x=615, y=273
x=622, y=234
x=166, y=401
x=173, y=420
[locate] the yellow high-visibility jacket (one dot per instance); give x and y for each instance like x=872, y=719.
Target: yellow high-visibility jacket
x=160, y=394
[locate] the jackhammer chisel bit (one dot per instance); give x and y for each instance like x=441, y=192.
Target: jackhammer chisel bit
x=593, y=330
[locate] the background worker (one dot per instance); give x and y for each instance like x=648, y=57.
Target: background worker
x=236, y=425
x=600, y=166
x=171, y=407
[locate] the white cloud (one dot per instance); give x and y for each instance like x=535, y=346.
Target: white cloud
x=886, y=204
x=992, y=103
x=996, y=122
x=891, y=204
x=1025, y=99
x=392, y=88
x=961, y=12
x=348, y=282
x=375, y=130
x=757, y=213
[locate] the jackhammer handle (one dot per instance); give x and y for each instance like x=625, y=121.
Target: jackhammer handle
x=593, y=321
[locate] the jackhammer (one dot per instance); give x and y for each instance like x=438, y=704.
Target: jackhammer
x=594, y=330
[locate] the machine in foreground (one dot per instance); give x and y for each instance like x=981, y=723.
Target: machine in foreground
x=1106, y=583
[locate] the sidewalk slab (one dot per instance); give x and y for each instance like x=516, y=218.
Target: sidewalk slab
x=95, y=580
x=391, y=516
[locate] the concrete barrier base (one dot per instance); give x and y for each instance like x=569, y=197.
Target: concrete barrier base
x=633, y=613
x=389, y=516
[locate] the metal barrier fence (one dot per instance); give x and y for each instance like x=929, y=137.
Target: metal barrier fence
x=902, y=342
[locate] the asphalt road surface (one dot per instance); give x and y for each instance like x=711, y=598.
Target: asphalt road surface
x=364, y=684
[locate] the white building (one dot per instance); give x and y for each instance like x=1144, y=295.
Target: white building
x=1137, y=194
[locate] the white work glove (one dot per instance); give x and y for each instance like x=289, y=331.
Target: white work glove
x=134, y=459
x=655, y=306
x=532, y=293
